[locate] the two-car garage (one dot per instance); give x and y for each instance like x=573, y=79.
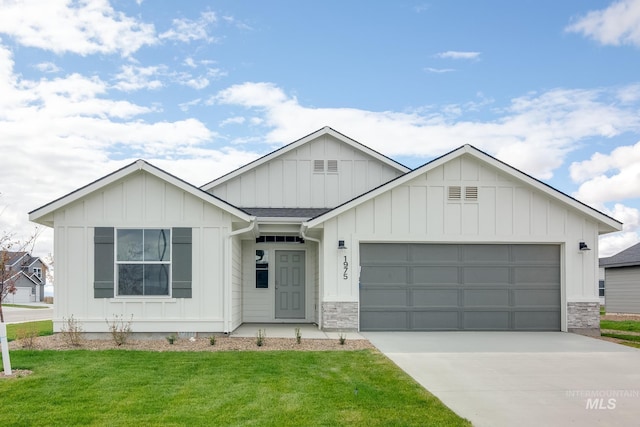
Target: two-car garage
x=428, y=287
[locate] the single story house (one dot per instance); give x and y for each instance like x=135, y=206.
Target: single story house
x=622, y=280
x=328, y=231
x=28, y=274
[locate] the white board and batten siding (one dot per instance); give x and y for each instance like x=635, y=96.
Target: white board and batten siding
x=622, y=291
x=140, y=200
x=322, y=173
x=505, y=211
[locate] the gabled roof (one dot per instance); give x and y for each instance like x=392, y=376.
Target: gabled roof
x=606, y=223
x=292, y=146
x=625, y=258
x=39, y=215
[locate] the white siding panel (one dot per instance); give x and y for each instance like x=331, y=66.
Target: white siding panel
x=133, y=189
x=173, y=203
x=332, y=191
x=522, y=211
x=153, y=200
x=263, y=190
x=488, y=211
x=248, y=188
x=435, y=207
x=303, y=181
x=453, y=170
x=365, y=218
x=290, y=184
x=400, y=218
x=504, y=210
x=540, y=218
x=418, y=209
x=470, y=219
x=452, y=218
x=360, y=177
x=275, y=183
x=114, y=203
x=382, y=212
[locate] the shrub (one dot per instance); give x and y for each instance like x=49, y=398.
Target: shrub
x=260, y=338
x=71, y=331
x=298, y=336
x=27, y=334
x=171, y=339
x=342, y=338
x=119, y=329
x=212, y=340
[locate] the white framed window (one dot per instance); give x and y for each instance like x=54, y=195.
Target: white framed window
x=38, y=272
x=143, y=261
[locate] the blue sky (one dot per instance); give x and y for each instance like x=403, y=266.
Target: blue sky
x=199, y=88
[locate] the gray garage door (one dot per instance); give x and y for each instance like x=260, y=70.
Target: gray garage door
x=426, y=287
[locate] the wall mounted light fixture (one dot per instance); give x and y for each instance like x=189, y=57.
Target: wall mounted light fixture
x=583, y=246
x=341, y=244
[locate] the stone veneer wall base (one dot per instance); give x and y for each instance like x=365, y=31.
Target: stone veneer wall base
x=340, y=316
x=583, y=318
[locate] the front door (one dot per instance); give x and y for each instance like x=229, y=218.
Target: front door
x=290, y=284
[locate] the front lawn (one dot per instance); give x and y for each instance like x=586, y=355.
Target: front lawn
x=619, y=327
x=122, y=388
x=38, y=328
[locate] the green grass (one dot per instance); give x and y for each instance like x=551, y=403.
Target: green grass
x=621, y=325
x=122, y=388
x=44, y=327
x=24, y=306
x=632, y=338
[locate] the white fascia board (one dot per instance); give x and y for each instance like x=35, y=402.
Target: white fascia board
x=38, y=215
x=294, y=145
x=606, y=223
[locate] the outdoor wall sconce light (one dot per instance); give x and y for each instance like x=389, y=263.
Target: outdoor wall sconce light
x=341, y=244
x=583, y=246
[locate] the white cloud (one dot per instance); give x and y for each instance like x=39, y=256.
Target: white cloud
x=439, y=70
x=609, y=177
x=187, y=30
x=453, y=54
x=63, y=133
x=238, y=120
x=84, y=28
x=616, y=25
x=534, y=133
x=611, y=244
x=47, y=67
x=133, y=78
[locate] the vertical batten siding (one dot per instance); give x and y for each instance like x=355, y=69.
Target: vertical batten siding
x=289, y=180
x=236, y=282
x=142, y=201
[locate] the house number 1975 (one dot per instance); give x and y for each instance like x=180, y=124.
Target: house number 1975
x=345, y=264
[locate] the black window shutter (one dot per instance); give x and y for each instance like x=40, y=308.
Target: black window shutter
x=181, y=260
x=103, y=265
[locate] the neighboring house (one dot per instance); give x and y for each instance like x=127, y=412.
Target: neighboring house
x=326, y=230
x=28, y=274
x=622, y=280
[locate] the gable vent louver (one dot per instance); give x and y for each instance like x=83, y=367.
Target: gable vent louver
x=471, y=193
x=318, y=165
x=332, y=166
x=455, y=192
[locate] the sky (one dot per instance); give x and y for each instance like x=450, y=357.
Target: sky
x=199, y=88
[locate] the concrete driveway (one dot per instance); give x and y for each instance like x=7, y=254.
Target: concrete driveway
x=522, y=378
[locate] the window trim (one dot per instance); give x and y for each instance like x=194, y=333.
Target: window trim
x=117, y=263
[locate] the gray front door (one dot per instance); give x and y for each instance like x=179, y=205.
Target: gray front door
x=290, y=284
